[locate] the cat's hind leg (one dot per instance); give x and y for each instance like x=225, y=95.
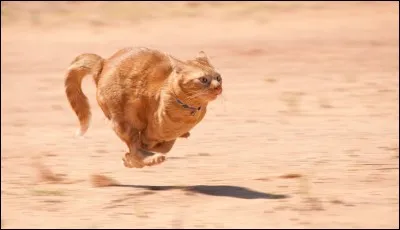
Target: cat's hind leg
x=130, y=136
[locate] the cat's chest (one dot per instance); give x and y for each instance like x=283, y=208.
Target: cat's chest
x=169, y=127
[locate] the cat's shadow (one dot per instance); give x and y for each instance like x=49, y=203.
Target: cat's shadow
x=214, y=190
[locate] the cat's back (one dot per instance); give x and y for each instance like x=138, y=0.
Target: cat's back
x=140, y=62
x=135, y=71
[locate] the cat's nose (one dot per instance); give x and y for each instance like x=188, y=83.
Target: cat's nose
x=218, y=89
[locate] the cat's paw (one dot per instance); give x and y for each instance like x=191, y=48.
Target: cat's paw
x=185, y=135
x=155, y=159
x=132, y=161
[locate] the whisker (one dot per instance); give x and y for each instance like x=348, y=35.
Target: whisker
x=190, y=98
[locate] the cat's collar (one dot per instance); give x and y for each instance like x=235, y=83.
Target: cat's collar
x=185, y=106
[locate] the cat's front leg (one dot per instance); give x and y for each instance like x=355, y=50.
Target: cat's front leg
x=140, y=158
x=185, y=135
x=151, y=158
x=161, y=148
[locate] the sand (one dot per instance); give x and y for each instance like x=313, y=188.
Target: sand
x=304, y=136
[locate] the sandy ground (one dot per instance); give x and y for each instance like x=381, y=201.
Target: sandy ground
x=305, y=135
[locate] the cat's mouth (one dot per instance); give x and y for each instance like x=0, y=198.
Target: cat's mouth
x=218, y=90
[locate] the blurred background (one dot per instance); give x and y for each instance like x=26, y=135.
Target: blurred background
x=304, y=136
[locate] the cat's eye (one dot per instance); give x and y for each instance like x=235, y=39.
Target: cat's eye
x=219, y=78
x=203, y=80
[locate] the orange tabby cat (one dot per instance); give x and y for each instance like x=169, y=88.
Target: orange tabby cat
x=150, y=97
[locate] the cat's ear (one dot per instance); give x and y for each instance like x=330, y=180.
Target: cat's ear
x=176, y=65
x=203, y=58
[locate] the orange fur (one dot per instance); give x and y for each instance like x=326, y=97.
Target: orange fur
x=144, y=94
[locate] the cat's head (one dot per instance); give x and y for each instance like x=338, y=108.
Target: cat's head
x=197, y=78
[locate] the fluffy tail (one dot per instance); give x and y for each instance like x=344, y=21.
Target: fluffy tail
x=83, y=65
